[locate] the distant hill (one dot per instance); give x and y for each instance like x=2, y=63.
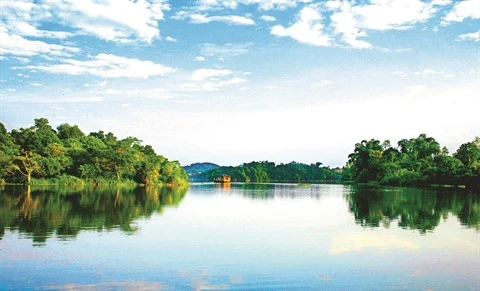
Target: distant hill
x=200, y=167
x=198, y=172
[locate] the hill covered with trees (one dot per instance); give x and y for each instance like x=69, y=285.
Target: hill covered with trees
x=198, y=172
x=42, y=155
x=200, y=167
x=416, y=161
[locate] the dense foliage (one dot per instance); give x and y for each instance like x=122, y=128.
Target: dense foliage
x=415, y=161
x=413, y=208
x=68, y=156
x=264, y=172
x=65, y=211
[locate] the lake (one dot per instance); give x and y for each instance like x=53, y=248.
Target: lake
x=240, y=237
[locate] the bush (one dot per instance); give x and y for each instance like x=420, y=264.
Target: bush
x=60, y=180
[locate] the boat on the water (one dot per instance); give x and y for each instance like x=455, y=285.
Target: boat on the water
x=222, y=179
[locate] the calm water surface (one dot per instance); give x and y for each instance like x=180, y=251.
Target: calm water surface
x=263, y=237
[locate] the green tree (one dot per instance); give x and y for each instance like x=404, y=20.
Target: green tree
x=27, y=163
x=8, y=150
x=469, y=153
x=365, y=161
x=66, y=131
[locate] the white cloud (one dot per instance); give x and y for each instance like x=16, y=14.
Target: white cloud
x=20, y=46
x=36, y=84
x=400, y=74
x=216, y=85
x=463, y=10
x=394, y=14
x=119, y=20
x=267, y=18
x=262, y=4
x=71, y=100
x=229, y=19
x=323, y=83
x=106, y=66
x=158, y=93
x=200, y=58
x=344, y=23
x=307, y=29
x=352, y=21
x=474, y=36
x=212, y=84
x=98, y=83
x=26, y=29
x=17, y=18
x=170, y=39
x=22, y=60
x=202, y=74
x=226, y=50
x=212, y=4
x=426, y=72
x=213, y=80
x=54, y=100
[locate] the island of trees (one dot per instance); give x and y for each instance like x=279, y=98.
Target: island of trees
x=268, y=172
x=42, y=155
x=417, y=161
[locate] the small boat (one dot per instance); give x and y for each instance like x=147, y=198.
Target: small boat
x=222, y=179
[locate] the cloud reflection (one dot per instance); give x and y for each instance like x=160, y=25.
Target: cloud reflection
x=356, y=242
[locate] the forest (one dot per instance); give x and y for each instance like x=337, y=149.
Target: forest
x=417, y=161
x=265, y=172
x=41, y=154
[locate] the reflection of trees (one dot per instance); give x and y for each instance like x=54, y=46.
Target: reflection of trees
x=414, y=208
x=40, y=213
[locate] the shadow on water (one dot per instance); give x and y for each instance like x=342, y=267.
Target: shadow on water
x=413, y=208
x=40, y=213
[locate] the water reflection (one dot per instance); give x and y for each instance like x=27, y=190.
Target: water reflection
x=413, y=208
x=271, y=191
x=39, y=213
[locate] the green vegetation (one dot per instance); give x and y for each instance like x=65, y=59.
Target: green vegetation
x=265, y=172
x=417, y=161
x=42, y=212
x=196, y=171
x=413, y=208
x=43, y=155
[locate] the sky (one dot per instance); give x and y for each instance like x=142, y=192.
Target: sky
x=233, y=81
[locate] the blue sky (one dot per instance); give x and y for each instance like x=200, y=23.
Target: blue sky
x=240, y=80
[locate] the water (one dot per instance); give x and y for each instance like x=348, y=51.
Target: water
x=260, y=237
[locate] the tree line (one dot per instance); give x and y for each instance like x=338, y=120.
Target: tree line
x=265, y=172
x=41, y=154
x=416, y=161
